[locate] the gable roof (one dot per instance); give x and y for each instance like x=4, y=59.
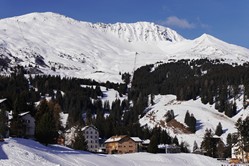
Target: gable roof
x=115, y=138
x=23, y=114
x=136, y=139
x=2, y=100
x=86, y=127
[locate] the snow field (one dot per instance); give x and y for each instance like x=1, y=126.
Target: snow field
x=24, y=152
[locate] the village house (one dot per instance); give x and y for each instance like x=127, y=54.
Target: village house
x=91, y=134
x=29, y=124
x=122, y=144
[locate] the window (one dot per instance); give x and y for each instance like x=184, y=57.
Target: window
x=96, y=141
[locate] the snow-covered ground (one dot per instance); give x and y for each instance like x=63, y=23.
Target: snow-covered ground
x=206, y=115
x=23, y=152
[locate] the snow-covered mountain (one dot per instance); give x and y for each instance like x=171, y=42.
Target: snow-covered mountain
x=64, y=46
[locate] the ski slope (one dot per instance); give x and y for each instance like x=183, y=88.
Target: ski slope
x=23, y=152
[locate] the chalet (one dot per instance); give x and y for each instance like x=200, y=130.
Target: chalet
x=122, y=144
x=91, y=134
x=138, y=143
x=29, y=123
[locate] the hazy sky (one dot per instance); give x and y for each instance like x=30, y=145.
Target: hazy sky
x=227, y=20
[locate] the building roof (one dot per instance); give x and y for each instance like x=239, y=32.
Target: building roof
x=23, y=114
x=136, y=139
x=115, y=138
x=2, y=100
x=86, y=127
x=147, y=141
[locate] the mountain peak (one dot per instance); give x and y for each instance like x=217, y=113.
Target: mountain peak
x=42, y=16
x=141, y=31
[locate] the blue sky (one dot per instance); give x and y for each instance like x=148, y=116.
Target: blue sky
x=227, y=20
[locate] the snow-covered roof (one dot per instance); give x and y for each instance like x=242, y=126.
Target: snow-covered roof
x=24, y=113
x=115, y=138
x=136, y=139
x=216, y=136
x=86, y=127
x=147, y=141
x=2, y=100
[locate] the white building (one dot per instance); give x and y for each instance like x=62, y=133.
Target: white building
x=91, y=134
x=29, y=123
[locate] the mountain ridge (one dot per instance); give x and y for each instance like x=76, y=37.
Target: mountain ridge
x=101, y=51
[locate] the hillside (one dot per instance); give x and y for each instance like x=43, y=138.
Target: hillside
x=24, y=152
x=206, y=115
x=50, y=43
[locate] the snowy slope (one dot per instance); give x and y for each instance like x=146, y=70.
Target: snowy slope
x=23, y=152
x=100, y=51
x=206, y=115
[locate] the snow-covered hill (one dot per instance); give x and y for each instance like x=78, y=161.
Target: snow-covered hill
x=64, y=46
x=24, y=152
x=206, y=115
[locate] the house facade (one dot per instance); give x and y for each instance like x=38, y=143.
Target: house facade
x=91, y=134
x=29, y=124
x=122, y=144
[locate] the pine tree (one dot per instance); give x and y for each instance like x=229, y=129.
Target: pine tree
x=47, y=125
x=79, y=142
x=184, y=147
x=195, y=146
x=152, y=148
x=175, y=141
x=187, y=117
x=207, y=142
x=192, y=123
x=219, y=130
x=46, y=132
x=243, y=133
x=3, y=123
